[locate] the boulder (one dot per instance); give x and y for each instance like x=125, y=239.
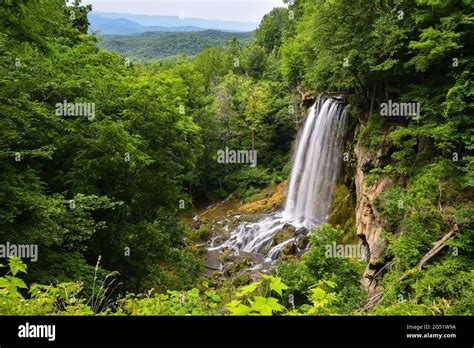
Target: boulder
x=302, y=230
x=212, y=262
x=284, y=234
x=289, y=248
x=302, y=242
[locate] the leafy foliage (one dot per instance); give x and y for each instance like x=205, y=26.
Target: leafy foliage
x=65, y=299
x=159, y=45
x=339, y=273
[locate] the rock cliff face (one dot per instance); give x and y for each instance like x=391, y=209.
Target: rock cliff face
x=369, y=225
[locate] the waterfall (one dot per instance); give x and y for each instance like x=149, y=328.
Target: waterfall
x=316, y=165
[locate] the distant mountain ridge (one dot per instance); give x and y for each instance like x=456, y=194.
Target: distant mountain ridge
x=126, y=24
x=121, y=26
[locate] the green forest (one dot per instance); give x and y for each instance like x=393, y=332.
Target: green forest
x=105, y=160
x=159, y=45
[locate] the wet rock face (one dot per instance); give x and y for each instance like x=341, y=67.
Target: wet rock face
x=290, y=248
x=302, y=242
x=284, y=234
x=266, y=248
x=212, y=262
x=369, y=225
x=302, y=231
x=197, y=221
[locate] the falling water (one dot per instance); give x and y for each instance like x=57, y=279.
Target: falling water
x=316, y=165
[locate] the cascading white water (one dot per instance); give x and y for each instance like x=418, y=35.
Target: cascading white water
x=316, y=165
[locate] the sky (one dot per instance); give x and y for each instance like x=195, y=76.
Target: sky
x=231, y=10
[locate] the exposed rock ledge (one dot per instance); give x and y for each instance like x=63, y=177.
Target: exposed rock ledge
x=369, y=226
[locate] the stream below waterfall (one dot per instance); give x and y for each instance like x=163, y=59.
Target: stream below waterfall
x=315, y=169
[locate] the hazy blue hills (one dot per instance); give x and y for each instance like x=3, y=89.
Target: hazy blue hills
x=155, y=45
x=120, y=26
x=126, y=24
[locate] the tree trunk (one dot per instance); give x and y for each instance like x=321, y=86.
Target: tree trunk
x=253, y=140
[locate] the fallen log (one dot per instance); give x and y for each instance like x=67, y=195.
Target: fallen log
x=437, y=247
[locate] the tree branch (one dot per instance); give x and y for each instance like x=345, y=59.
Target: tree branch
x=437, y=247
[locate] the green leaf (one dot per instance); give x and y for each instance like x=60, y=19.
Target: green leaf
x=244, y=290
x=331, y=284
x=237, y=308
x=213, y=296
x=4, y=282
x=317, y=294
x=277, y=285
x=16, y=282
x=16, y=265
x=266, y=306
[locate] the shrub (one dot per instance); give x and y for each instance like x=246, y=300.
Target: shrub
x=344, y=273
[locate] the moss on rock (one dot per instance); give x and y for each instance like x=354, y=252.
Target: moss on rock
x=284, y=234
x=342, y=213
x=274, y=198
